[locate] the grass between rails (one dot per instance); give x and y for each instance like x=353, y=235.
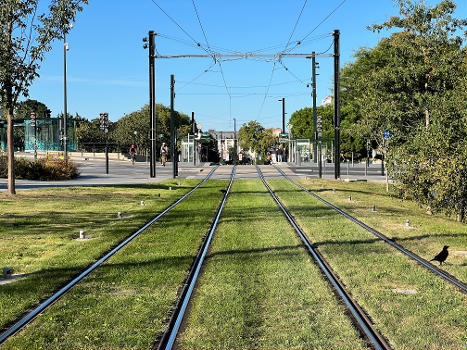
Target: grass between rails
x=124, y=303
x=426, y=237
x=38, y=231
x=434, y=318
x=259, y=288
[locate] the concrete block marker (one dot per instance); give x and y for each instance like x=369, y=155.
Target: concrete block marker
x=119, y=215
x=373, y=209
x=350, y=198
x=142, y=203
x=81, y=234
x=405, y=291
x=407, y=223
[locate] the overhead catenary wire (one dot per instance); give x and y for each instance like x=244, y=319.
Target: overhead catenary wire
x=318, y=25
x=296, y=23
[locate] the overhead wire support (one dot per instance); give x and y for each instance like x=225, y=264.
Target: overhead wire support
x=243, y=55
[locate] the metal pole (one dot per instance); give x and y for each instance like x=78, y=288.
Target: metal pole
x=367, y=156
x=193, y=126
x=313, y=74
x=172, y=126
x=235, y=139
x=283, y=115
x=382, y=158
x=337, y=151
x=320, y=168
x=35, y=140
x=65, y=112
x=106, y=153
x=152, y=102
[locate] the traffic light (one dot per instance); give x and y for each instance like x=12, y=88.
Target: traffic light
x=104, y=122
x=319, y=126
x=33, y=119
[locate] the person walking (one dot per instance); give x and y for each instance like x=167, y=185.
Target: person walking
x=132, y=152
x=279, y=154
x=164, y=152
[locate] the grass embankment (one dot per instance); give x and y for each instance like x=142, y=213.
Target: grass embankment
x=38, y=231
x=260, y=289
x=124, y=303
x=426, y=237
x=433, y=318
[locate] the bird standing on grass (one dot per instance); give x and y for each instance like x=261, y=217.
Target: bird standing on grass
x=442, y=256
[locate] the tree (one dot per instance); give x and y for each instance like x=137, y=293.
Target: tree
x=256, y=138
x=25, y=37
x=24, y=109
x=413, y=83
x=124, y=132
x=250, y=135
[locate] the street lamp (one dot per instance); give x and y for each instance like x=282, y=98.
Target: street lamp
x=65, y=112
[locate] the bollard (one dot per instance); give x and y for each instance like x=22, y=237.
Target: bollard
x=142, y=203
x=119, y=215
x=81, y=234
x=7, y=272
x=350, y=198
x=373, y=209
x=407, y=223
x=170, y=188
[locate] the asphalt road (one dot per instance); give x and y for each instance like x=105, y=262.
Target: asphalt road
x=123, y=172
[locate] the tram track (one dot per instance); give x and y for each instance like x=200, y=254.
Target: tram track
x=27, y=318
x=359, y=316
x=167, y=340
x=426, y=264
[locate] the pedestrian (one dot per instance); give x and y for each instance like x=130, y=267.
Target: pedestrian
x=164, y=152
x=279, y=154
x=132, y=152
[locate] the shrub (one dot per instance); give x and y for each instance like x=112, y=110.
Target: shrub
x=43, y=169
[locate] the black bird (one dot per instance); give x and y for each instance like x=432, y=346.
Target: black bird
x=442, y=256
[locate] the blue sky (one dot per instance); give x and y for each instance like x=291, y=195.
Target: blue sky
x=108, y=67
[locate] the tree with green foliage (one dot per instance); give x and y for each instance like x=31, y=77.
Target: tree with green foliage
x=25, y=37
x=254, y=137
x=24, y=109
x=413, y=83
x=124, y=131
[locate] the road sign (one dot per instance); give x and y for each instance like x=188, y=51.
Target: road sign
x=285, y=135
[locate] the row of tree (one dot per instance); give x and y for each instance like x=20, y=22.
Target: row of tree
x=413, y=85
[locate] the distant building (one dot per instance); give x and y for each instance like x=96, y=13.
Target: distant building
x=276, y=132
x=327, y=101
x=225, y=139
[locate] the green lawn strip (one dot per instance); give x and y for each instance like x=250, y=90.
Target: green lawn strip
x=434, y=318
x=426, y=237
x=38, y=231
x=259, y=288
x=125, y=303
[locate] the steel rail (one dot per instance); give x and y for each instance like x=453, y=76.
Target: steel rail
x=441, y=273
x=57, y=295
x=168, y=338
x=359, y=316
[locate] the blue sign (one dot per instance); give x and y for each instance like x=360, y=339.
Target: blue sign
x=387, y=134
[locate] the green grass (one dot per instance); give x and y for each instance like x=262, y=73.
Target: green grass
x=124, y=304
x=260, y=289
x=38, y=231
x=432, y=319
x=427, y=236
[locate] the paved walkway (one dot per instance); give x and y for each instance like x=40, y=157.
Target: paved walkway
x=123, y=173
